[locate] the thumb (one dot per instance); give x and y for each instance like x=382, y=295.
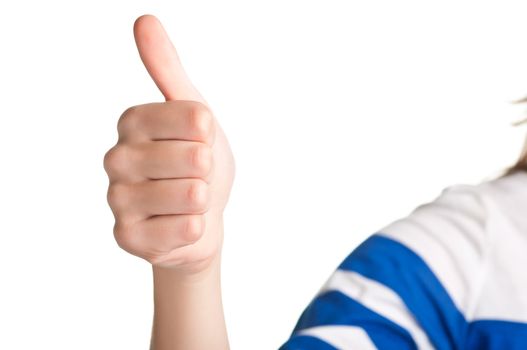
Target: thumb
x=162, y=61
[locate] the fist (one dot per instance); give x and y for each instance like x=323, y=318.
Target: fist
x=171, y=170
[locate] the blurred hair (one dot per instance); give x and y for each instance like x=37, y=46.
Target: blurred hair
x=521, y=163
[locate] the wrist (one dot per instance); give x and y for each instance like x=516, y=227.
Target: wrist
x=194, y=273
x=185, y=305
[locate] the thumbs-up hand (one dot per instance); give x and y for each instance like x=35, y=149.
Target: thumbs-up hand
x=171, y=170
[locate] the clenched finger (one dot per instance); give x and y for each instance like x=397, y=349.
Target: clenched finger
x=171, y=196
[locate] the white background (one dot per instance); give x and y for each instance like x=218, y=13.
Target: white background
x=342, y=115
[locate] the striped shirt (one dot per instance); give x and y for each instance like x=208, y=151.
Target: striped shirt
x=452, y=274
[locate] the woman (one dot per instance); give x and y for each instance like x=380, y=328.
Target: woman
x=448, y=276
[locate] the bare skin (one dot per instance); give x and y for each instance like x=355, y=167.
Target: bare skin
x=170, y=175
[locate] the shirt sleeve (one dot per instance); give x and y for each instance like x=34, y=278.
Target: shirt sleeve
x=408, y=286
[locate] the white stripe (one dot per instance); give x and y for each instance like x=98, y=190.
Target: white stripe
x=341, y=337
x=378, y=298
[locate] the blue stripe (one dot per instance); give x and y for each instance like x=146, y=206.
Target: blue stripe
x=304, y=342
x=494, y=335
x=399, y=268
x=335, y=308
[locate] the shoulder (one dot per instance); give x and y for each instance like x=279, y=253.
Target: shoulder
x=449, y=235
x=456, y=219
x=415, y=282
x=467, y=232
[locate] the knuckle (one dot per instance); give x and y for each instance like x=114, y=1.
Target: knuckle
x=197, y=196
x=125, y=237
x=116, y=159
x=117, y=196
x=193, y=228
x=200, y=120
x=128, y=120
x=107, y=160
x=201, y=159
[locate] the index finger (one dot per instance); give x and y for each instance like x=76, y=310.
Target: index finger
x=170, y=120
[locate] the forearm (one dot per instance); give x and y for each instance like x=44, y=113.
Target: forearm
x=188, y=310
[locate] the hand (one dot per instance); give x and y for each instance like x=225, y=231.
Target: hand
x=171, y=170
